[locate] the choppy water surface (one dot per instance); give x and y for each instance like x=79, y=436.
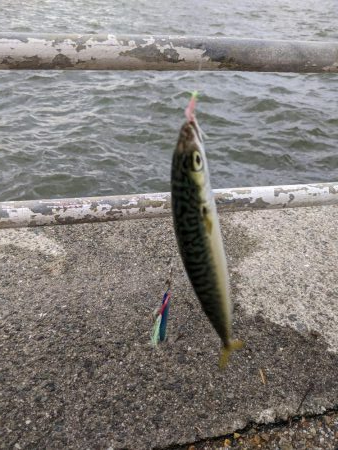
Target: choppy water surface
x=101, y=133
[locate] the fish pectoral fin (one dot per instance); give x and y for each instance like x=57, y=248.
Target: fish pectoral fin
x=227, y=350
x=206, y=216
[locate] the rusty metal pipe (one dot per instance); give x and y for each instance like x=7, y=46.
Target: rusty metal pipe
x=103, y=209
x=117, y=52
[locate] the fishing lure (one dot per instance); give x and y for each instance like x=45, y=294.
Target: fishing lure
x=161, y=314
x=198, y=231
x=160, y=324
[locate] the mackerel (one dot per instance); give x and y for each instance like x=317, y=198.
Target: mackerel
x=198, y=233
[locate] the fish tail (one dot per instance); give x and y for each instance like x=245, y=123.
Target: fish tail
x=227, y=350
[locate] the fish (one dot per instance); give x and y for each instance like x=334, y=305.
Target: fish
x=198, y=232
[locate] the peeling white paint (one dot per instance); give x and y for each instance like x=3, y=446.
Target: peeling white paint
x=111, y=38
x=96, y=209
x=332, y=68
x=192, y=54
x=148, y=41
x=112, y=52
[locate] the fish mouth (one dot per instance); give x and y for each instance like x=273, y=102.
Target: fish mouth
x=197, y=129
x=190, y=136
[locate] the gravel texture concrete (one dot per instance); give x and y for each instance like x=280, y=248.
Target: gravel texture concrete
x=315, y=433
x=76, y=302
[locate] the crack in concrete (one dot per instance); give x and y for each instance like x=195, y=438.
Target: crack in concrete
x=260, y=427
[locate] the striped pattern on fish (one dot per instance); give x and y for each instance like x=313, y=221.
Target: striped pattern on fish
x=198, y=233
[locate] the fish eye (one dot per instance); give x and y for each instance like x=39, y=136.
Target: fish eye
x=197, y=162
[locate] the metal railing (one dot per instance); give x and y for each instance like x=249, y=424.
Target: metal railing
x=103, y=209
x=111, y=52
x=129, y=52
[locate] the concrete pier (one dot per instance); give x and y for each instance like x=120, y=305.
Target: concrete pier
x=76, y=302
